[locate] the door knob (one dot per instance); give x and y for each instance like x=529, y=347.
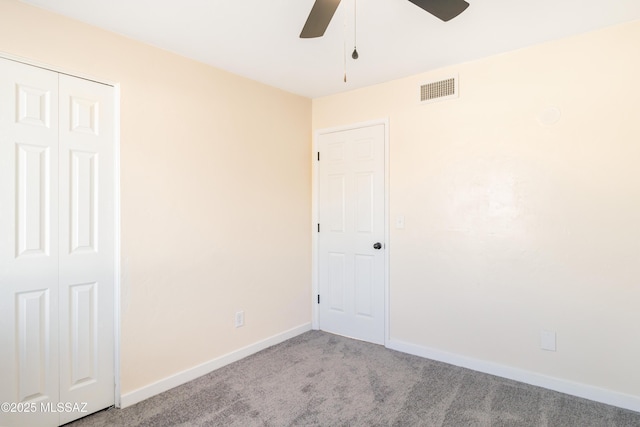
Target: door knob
x=377, y=245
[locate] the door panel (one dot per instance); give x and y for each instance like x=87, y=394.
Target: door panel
x=364, y=215
x=364, y=285
x=83, y=334
x=33, y=325
x=336, y=281
x=33, y=105
x=33, y=198
x=84, y=201
x=351, y=214
x=28, y=241
x=86, y=244
x=335, y=208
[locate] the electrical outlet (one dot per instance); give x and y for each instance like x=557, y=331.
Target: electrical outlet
x=239, y=318
x=548, y=340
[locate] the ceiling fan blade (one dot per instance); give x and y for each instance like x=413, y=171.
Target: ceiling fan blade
x=319, y=18
x=442, y=9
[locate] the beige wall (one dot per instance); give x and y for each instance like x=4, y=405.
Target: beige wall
x=512, y=226
x=215, y=195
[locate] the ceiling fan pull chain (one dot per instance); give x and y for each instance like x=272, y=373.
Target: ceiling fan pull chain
x=355, y=55
x=344, y=49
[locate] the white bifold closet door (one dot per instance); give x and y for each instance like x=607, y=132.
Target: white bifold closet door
x=56, y=246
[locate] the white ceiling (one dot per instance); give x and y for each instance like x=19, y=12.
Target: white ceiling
x=259, y=38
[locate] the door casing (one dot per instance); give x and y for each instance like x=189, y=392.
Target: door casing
x=116, y=204
x=315, y=208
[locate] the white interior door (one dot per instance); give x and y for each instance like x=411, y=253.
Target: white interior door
x=29, y=242
x=351, y=244
x=86, y=262
x=56, y=247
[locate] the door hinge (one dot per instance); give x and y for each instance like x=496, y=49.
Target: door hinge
x=318, y=227
x=318, y=156
x=318, y=298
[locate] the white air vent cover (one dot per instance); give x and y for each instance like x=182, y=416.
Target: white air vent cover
x=439, y=90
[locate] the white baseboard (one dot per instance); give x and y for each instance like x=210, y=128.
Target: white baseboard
x=585, y=391
x=187, y=375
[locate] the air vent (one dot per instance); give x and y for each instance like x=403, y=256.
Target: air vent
x=439, y=90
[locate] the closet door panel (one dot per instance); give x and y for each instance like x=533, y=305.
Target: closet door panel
x=86, y=244
x=29, y=243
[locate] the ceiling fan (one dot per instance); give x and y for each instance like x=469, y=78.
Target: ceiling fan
x=323, y=10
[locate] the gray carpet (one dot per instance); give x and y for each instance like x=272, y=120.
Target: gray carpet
x=325, y=380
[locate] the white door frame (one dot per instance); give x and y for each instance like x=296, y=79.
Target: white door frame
x=315, y=206
x=116, y=201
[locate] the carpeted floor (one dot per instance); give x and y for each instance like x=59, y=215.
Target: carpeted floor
x=321, y=379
